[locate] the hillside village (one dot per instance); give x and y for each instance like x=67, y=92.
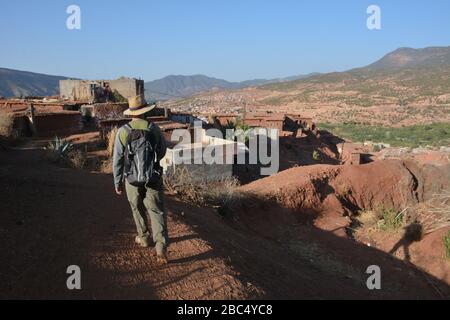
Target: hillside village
x=223, y=159
x=339, y=205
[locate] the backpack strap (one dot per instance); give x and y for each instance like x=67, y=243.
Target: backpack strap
x=150, y=128
x=128, y=130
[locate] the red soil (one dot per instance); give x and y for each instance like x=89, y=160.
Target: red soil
x=328, y=196
x=53, y=217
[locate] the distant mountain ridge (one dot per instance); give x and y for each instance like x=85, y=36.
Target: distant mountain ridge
x=411, y=58
x=182, y=86
x=431, y=60
x=405, y=87
x=401, y=62
x=178, y=86
x=15, y=83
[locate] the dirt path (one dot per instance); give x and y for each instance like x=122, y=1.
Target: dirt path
x=53, y=217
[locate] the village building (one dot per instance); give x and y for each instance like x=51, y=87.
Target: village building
x=194, y=151
x=91, y=91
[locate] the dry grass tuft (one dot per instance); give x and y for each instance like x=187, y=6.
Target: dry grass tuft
x=77, y=159
x=111, y=138
x=221, y=194
x=6, y=124
x=435, y=213
x=106, y=166
x=181, y=183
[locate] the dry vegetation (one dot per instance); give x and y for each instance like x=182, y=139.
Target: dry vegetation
x=380, y=220
x=106, y=165
x=431, y=215
x=6, y=125
x=435, y=213
x=418, y=221
x=222, y=194
x=110, y=139
x=63, y=152
x=77, y=159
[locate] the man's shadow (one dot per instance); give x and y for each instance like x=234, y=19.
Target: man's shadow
x=413, y=233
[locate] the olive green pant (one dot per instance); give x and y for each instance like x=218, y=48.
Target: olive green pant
x=145, y=200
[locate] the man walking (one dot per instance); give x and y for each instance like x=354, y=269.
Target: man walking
x=139, y=146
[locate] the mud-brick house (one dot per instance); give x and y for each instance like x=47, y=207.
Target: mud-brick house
x=271, y=121
x=295, y=121
x=94, y=90
x=224, y=119
x=197, y=167
x=183, y=117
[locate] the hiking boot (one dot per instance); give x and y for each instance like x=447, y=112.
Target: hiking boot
x=142, y=241
x=161, y=258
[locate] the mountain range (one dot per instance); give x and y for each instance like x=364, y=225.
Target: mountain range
x=15, y=83
x=410, y=58
x=403, y=88
x=435, y=59
x=180, y=86
x=407, y=72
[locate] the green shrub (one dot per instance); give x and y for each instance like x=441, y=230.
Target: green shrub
x=316, y=155
x=60, y=147
x=63, y=152
x=390, y=220
x=238, y=125
x=117, y=97
x=436, y=134
x=447, y=244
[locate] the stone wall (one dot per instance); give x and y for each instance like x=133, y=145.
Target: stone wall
x=75, y=90
x=127, y=87
x=57, y=124
x=83, y=90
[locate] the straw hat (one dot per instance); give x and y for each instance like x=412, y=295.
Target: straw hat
x=137, y=106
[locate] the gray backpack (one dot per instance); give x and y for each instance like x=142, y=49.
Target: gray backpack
x=141, y=165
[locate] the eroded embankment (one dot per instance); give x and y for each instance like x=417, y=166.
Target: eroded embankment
x=315, y=190
x=331, y=198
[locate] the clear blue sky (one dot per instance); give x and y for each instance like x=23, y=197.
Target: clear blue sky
x=230, y=39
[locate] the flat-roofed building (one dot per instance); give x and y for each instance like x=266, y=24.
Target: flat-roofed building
x=100, y=90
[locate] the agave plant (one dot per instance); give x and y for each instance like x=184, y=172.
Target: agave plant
x=61, y=147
